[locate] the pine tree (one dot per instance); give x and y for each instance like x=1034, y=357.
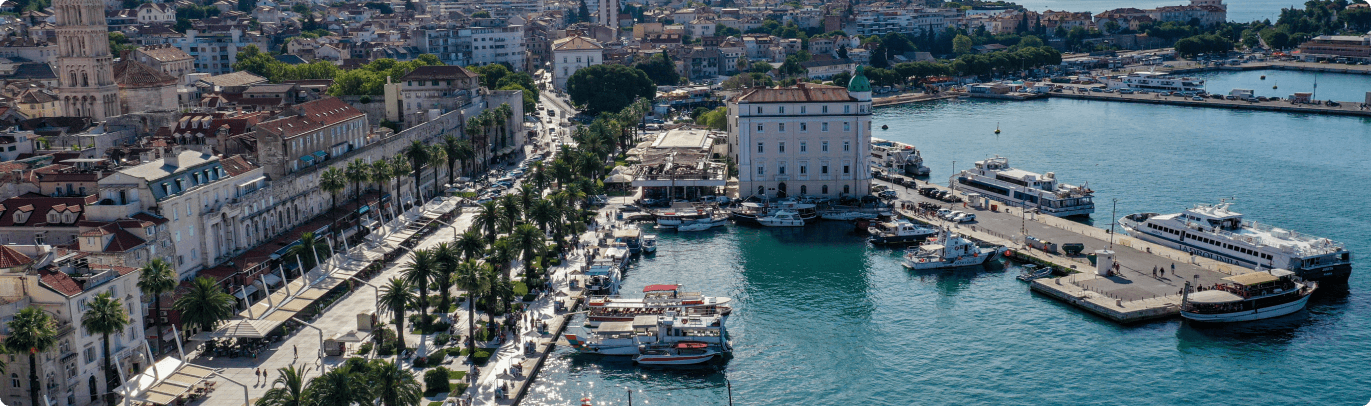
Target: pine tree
x=583, y=12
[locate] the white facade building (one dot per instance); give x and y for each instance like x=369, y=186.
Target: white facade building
x=571, y=54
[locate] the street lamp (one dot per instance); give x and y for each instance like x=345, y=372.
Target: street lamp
x=373, y=288
x=321, y=340
x=1113, y=218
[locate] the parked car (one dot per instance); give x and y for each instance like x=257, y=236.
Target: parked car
x=964, y=218
x=1197, y=98
x=942, y=213
x=888, y=194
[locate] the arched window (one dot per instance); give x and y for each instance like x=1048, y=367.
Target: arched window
x=14, y=380
x=94, y=393
x=761, y=190
x=824, y=189
x=85, y=79
x=804, y=189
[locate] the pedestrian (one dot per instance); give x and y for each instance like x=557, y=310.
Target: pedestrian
x=258, y=372
x=1173, y=268
x=296, y=348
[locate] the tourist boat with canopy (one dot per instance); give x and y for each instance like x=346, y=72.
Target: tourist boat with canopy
x=899, y=232
x=656, y=300
x=684, y=353
x=1251, y=296
x=669, y=328
x=995, y=180
x=603, y=277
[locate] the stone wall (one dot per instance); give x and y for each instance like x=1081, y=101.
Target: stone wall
x=376, y=110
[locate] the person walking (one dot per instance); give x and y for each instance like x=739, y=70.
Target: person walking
x=1173, y=269
x=296, y=348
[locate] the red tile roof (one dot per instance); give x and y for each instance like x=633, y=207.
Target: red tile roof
x=316, y=115
x=59, y=281
x=236, y=165
x=40, y=205
x=10, y=258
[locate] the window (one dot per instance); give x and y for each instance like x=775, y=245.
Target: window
x=804, y=190
x=39, y=238
x=825, y=112
x=804, y=169
x=823, y=170
x=780, y=168
x=781, y=128
x=825, y=189
x=803, y=147
x=847, y=126
x=761, y=170
x=846, y=190
x=759, y=147
x=847, y=146
x=824, y=147
x=846, y=170
x=824, y=129
x=780, y=147
x=14, y=380
x=780, y=110
x=847, y=109
x=759, y=127
x=804, y=126
x=802, y=111
x=89, y=354
x=759, y=109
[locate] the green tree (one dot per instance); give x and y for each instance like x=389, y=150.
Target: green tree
x=447, y=258
x=961, y=44
x=357, y=172
x=660, y=69
x=32, y=331
x=529, y=240
x=423, y=266
x=308, y=251
x=344, y=385
x=205, y=305
x=105, y=315
x=395, y=297
x=118, y=43
x=761, y=67
x=333, y=181
x=716, y=119
x=395, y=386
x=418, y=154
x=468, y=278
x=288, y=389
x=608, y=88
x=155, y=279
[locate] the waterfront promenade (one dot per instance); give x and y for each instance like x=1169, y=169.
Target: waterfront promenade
x=1347, y=108
x=1134, y=295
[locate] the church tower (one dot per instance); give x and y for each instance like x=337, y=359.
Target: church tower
x=84, y=63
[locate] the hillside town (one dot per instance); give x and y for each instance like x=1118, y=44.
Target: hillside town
x=243, y=150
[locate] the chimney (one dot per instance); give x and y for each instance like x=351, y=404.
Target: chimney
x=172, y=158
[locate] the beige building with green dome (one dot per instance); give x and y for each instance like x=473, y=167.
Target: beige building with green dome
x=808, y=139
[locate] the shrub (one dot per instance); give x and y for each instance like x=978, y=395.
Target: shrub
x=438, y=327
x=364, y=349
x=420, y=362
x=442, y=338
x=481, y=356
x=386, y=349
x=459, y=388
x=435, y=381
x=437, y=357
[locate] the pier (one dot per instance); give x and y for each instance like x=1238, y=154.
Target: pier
x=1278, y=65
x=909, y=98
x=1133, y=296
x=1347, y=108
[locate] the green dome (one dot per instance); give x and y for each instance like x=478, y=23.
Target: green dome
x=859, y=82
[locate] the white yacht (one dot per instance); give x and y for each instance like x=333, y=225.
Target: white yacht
x=782, y=218
x=1215, y=232
x=994, y=179
x=603, y=277
x=649, y=243
x=950, y=250
x=1252, y=296
x=899, y=232
x=897, y=158
x=1155, y=81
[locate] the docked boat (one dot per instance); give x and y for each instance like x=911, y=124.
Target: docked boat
x=897, y=157
x=1155, y=81
x=632, y=238
x=649, y=243
x=1251, y=296
x=656, y=300
x=994, y=179
x=783, y=218
x=670, y=328
x=1215, y=232
x=701, y=226
x=684, y=353
x=603, y=277
x=1031, y=272
x=950, y=250
x=848, y=215
x=899, y=232
x=750, y=212
x=677, y=218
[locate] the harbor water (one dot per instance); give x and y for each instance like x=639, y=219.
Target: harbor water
x=1342, y=87
x=821, y=318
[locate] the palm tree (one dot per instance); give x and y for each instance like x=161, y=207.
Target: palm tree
x=436, y=157
x=469, y=278
x=452, y=151
x=465, y=152
x=105, y=315
x=509, y=212
x=289, y=390
x=470, y=244
x=529, y=240
x=333, y=181
x=33, y=331
x=340, y=386
x=542, y=213
x=475, y=130
x=308, y=250
x=417, y=153
x=447, y=257
x=490, y=281
x=395, y=295
x=395, y=386
x=419, y=273
x=205, y=305
x=357, y=173
x=527, y=194
x=399, y=168
x=539, y=177
x=503, y=114
x=157, y=278
x=380, y=175
x=489, y=220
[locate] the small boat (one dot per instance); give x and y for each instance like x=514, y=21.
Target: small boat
x=846, y=215
x=899, y=232
x=684, y=353
x=649, y=243
x=949, y=250
x=997, y=127
x=1251, y=296
x=656, y=300
x=631, y=238
x=885, y=127
x=782, y=218
x=1263, y=77
x=603, y=278
x=702, y=226
x=1031, y=272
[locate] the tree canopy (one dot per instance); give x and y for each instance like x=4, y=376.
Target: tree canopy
x=253, y=60
x=608, y=88
x=370, y=78
x=660, y=69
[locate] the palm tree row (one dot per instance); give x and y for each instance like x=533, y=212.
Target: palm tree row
x=357, y=381
x=378, y=173
x=34, y=331
x=479, y=128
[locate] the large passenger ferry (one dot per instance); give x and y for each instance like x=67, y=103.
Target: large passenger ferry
x=897, y=158
x=1215, y=232
x=1155, y=82
x=994, y=179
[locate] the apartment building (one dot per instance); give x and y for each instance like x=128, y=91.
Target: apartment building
x=571, y=54
x=806, y=139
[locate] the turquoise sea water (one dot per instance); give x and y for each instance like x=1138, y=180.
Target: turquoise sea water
x=1331, y=86
x=823, y=319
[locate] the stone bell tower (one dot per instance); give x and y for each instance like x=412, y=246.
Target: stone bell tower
x=84, y=64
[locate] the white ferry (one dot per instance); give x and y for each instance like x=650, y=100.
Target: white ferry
x=1247, y=297
x=1155, y=81
x=897, y=158
x=994, y=179
x=656, y=300
x=1217, y=233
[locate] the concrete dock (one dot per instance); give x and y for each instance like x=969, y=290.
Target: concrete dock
x=1347, y=108
x=906, y=98
x=1135, y=295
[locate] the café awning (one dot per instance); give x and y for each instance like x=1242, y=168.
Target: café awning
x=241, y=328
x=164, y=382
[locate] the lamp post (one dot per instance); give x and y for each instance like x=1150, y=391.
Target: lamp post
x=373, y=288
x=247, y=400
x=321, y=340
x=1113, y=218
